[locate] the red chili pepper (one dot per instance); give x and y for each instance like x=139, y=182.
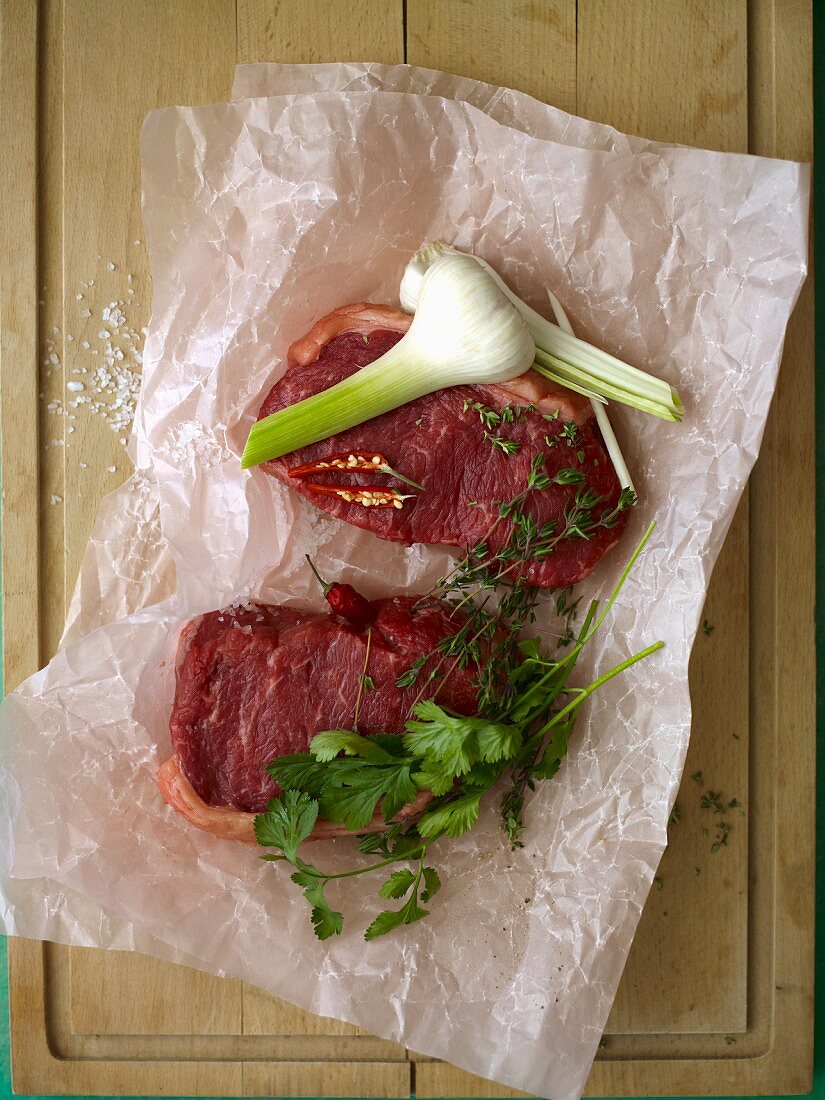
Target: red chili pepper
x=370, y=496
x=348, y=602
x=346, y=460
x=345, y=600
x=373, y=461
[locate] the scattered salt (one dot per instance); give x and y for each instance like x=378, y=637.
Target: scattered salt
x=110, y=469
x=114, y=381
x=55, y=499
x=78, y=297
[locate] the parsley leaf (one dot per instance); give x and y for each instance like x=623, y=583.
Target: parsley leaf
x=325, y=920
x=451, y=819
x=440, y=737
x=385, y=922
x=300, y=772
x=397, y=884
x=327, y=745
x=355, y=799
x=287, y=823
x=432, y=883
x=450, y=744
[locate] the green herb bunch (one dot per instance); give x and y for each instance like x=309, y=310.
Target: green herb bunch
x=528, y=708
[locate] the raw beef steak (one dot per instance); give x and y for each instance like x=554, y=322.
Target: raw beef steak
x=441, y=442
x=257, y=682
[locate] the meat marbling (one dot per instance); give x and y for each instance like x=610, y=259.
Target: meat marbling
x=258, y=681
x=440, y=444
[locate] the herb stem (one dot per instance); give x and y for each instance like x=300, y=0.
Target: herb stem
x=324, y=584
x=585, y=692
x=361, y=680
x=449, y=673
x=614, y=595
x=410, y=856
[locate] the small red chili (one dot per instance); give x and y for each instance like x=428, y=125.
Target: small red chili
x=370, y=496
x=347, y=460
x=345, y=600
x=373, y=461
x=348, y=602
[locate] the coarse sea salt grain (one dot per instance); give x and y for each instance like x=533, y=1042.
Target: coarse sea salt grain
x=110, y=469
x=113, y=385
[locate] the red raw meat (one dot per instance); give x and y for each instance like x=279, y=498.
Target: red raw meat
x=435, y=442
x=257, y=682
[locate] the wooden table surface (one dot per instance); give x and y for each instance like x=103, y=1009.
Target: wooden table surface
x=717, y=994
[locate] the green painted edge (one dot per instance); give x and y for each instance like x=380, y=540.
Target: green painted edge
x=819, y=236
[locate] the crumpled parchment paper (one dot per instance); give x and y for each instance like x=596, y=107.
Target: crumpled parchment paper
x=261, y=215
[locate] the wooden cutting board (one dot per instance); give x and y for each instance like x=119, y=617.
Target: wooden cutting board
x=717, y=994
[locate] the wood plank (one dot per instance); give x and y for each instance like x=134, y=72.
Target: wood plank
x=122, y=60
x=530, y=46
x=162, y=1000
x=52, y=426
x=781, y=125
x=672, y=70
x=95, y=157
x=317, y=30
x=297, y=31
x=19, y=457
x=266, y=1015
x=325, y=1079
x=677, y=978
x=39, y=1067
x=719, y=670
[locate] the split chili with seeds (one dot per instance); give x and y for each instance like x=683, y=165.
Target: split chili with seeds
x=346, y=460
x=370, y=496
x=356, y=461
